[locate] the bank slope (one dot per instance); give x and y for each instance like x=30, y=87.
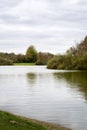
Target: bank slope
x=13, y=122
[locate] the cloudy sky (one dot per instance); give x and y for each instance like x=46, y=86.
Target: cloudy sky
x=49, y=25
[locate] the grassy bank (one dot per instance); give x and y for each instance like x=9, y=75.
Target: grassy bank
x=24, y=64
x=12, y=122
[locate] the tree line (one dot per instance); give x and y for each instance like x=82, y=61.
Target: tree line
x=75, y=58
x=31, y=56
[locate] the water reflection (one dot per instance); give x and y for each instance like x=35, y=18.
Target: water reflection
x=76, y=80
x=31, y=78
x=39, y=93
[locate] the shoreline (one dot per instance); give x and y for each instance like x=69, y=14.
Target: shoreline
x=11, y=120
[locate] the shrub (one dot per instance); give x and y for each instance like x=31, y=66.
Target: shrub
x=4, y=61
x=75, y=58
x=43, y=58
x=54, y=62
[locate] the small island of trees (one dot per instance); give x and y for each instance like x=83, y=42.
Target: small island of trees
x=75, y=58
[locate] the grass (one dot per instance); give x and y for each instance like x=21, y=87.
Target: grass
x=24, y=64
x=12, y=122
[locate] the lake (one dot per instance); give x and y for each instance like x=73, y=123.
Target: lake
x=56, y=96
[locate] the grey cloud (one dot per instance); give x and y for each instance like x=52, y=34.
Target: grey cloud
x=6, y=18
x=55, y=16
x=58, y=22
x=8, y=3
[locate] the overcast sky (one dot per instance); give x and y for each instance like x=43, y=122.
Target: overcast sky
x=49, y=25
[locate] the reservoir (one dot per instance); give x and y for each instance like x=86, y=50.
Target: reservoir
x=56, y=96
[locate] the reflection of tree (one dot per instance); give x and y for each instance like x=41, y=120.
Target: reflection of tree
x=31, y=78
x=75, y=79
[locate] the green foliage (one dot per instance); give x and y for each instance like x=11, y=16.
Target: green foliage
x=13, y=57
x=24, y=64
x=82, y=63
x=4, y=61
x=60, y=62
x=20, y=58
x=31, y=57
x=12, y=122
x=54, y=62
x=43, y=58
x=75, y=58
x=31, y=54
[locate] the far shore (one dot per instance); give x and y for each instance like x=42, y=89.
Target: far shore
x=24, y=64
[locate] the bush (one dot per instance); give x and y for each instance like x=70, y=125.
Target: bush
x=75, y=58
x=43, y=58
x=82, y=63
x=4, y=61
x=54, y=62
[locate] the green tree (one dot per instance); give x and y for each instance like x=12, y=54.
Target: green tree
x=43, y=58
x=31, y=54
x=4, y=61
x=75, y=58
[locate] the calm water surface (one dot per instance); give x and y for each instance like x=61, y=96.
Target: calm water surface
x=49, y=95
